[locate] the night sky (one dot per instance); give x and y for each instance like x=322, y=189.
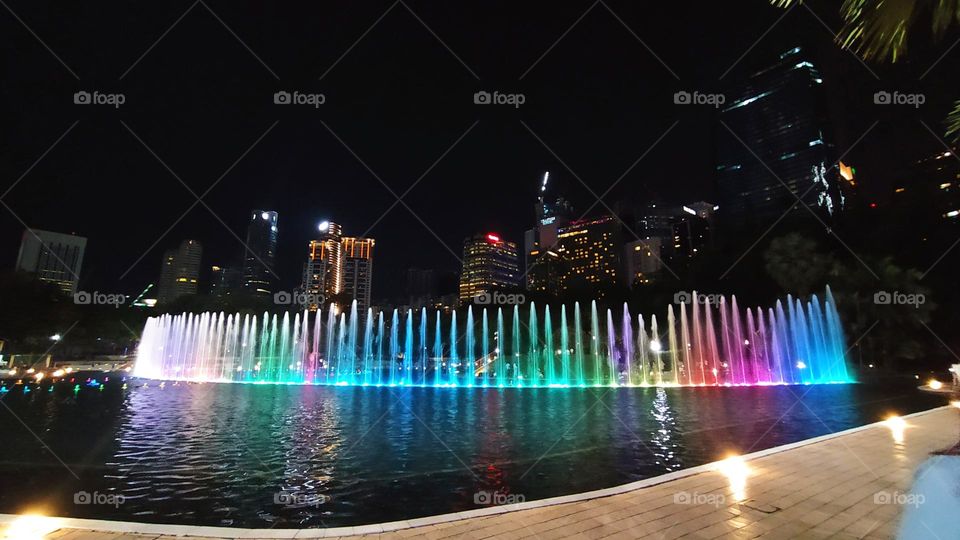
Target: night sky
x=199, y=81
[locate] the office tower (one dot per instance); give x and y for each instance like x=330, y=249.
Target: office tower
x=260, y=253
x=323, y=271
x=358, y=270
x=52, y=257
x=778, y=116
x=489, y=264
x=543, y=274
x=225, y=280
x=643, y=260
x=591, y=251
x=421, y=286
x=180, y=272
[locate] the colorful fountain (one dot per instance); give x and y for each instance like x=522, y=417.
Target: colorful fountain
x=711, y=343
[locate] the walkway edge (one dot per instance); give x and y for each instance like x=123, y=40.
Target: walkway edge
x=230, y=532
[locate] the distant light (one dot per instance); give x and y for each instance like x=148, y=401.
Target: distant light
x=39, y=376
x=935, y=384
x=801, y=365
x=58, y=373
x=493, y=238
x=55, y=337
x=955, y=403
x=323, y=226
x=655, y=345
x=689, y=210
x=265, y=215
x=873, y=205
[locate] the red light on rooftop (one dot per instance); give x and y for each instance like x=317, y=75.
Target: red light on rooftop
x=493, y=238
x=873, y=205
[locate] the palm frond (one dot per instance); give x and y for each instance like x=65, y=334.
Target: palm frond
x=953, y=123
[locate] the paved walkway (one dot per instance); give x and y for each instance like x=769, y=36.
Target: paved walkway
x=832, y=488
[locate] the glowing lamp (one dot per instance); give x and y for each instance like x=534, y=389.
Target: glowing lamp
x=935, y=384
x=323, y=226
x=265, y=215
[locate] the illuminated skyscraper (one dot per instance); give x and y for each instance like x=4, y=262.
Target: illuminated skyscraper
x=323, y=271
x=180, y=272
x=260, y=253
x=52, y=257
x=591, y=254
x=358, y=270
x=489, y=264
x=778, y=147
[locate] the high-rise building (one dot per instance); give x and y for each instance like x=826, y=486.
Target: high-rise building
x=643, y=260
x=358, y=270
x=52, y=257
x=323, y=271
x=775, y=145
x=260, y=252
x=928, y=192
x=591, y=254
x=489, y=264
x=180, y=272
x=225, y=280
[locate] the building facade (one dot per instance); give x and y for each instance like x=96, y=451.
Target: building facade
x=52, y=257
x=323, y=271
x=358, y=270
x=774, y=145
x=180, y=272
x=489, y=264
x=260, y=253
x=591, y=254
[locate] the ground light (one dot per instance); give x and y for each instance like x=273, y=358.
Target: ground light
x=736, y=470
x=935, y=384
x=32, y=526
x=897, y=426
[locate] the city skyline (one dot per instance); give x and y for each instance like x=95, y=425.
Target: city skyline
x=310, y=163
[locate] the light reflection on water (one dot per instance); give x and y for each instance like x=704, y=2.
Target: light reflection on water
x=302, y=456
